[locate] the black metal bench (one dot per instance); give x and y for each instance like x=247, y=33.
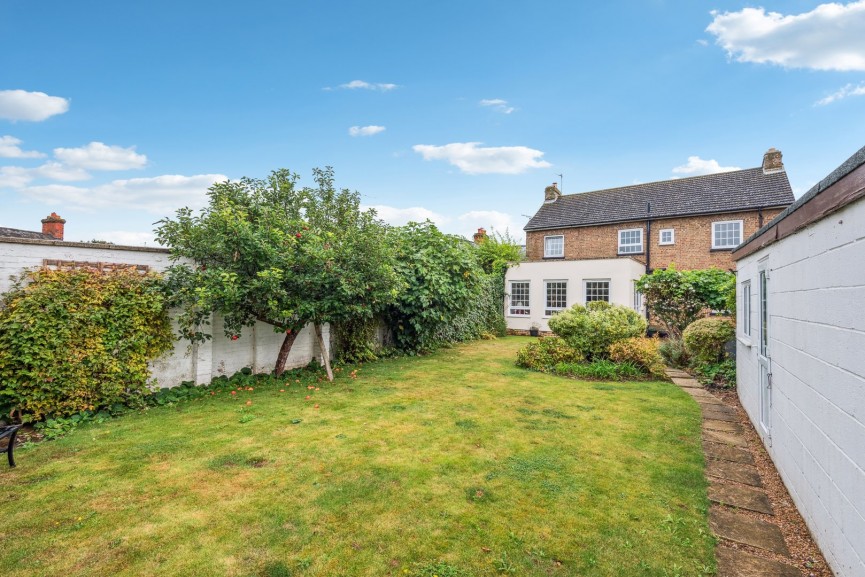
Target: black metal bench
x=9, y=432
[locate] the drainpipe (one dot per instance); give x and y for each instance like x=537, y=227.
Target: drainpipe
x=759, y=220
x=648, y=244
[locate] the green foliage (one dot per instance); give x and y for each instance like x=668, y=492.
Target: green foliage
x=546, y=353
x=73, y=341
x=601, y=370
x=442, y=277
x=640, y=351
x=265, y=250
x=678, y=298
x=496, y=251
x=484, y=318
x=354, y=340
x=673, y=351
x=591, y=329
x=721, y=374
x=705, y=339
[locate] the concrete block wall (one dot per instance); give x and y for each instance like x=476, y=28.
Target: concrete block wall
x=817, y=349
x=256, y=348
x=692, y=248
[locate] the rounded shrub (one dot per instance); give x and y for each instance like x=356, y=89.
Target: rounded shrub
x=705, y=339
x=591, y=329
x=642, y=352
x=546, y=353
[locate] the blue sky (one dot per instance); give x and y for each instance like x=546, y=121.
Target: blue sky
x=114, y=114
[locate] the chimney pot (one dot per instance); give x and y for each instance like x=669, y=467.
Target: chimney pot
x=480, y=236
x=53, y=225
x=772, y=161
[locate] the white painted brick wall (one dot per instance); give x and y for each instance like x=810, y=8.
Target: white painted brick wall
x=256, y=348
x=817, y=347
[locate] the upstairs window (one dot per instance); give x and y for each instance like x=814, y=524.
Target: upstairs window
x=554, y=246
x=519, y=299
x=556, y=297
x=726, y=234
x=667, y=236
x=631, y=241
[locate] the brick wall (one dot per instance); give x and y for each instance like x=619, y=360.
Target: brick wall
x=692, y=248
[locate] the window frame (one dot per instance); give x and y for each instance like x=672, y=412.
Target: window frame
x=586, y=289
x=552, y=236
x=715, y=245
x=528, y=307
x=641, y=244
x=548, y=310
x=746, y=308
x=672, y=240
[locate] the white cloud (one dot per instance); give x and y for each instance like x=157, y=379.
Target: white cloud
x=18, y=176
x=14, y=177
x=161, y=195
x=32, y=106
x=498, y=105
x=844, y=92
x=697, y=166
x=9, y=149
x=363, y=85
x=99, y=156
x=472, y=158
x=365, y=130
x=829, y=37
x=401, y=216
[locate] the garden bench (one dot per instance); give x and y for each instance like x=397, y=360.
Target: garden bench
x=9, y=431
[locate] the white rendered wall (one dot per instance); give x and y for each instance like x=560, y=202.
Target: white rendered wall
x=256, y=348
x=621, y=272
x=817, y=348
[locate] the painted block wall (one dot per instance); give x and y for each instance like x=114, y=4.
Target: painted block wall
x=256, y=348
x=816, y=306
x=620, y=272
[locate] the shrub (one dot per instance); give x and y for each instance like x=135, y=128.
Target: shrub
x=546, y=353
x=673, y=352
x=642, y=352
x=591, y=329
x=79, y=340
x=705, y=339
x=721, y=374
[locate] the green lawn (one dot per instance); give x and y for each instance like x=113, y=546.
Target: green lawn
x=458, y=463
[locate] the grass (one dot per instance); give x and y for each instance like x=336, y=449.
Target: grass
x=454, y=464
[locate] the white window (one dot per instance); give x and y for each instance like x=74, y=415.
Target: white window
x=667, y=236
x=597, y=290
x=638, y=299
x=746, y=308
x=519, y=299
x=554, y=246
x=556, y=296
x=726, y=234
x=631, y=241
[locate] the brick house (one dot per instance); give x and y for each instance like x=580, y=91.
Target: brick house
x=593, y=245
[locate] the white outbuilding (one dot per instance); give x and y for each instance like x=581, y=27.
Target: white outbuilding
x=801, y=356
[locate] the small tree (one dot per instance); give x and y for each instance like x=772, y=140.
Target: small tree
x=264, y=250
x=496, y=251
x=678, y=298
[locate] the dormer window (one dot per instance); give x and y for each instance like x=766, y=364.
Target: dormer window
x=554, y=246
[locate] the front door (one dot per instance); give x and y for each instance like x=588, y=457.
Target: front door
x=764, y=360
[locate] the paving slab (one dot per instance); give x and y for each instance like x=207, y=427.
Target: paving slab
x=725, y=438
x=710, y=402
x=741, y=529
x=713, y=414
x=737, y=563
x=678, y=373
x=740, y=497
x=738, y=472
x=722, y=426
x=687, y=383
x=727, y=453
x=725, y=409
x=702, y=393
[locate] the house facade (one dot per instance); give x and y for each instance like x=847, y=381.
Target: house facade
x=800, y=356
x=574, y=240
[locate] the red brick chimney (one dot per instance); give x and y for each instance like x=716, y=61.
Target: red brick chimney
x=552, y=193
x=53, y=225
x=480, y=236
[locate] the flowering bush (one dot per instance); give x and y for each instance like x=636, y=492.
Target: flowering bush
x=640, y=351
x=591, y=329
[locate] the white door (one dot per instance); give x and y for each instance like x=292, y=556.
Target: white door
x=764, y=360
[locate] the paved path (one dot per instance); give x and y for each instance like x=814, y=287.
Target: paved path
x=741, y=513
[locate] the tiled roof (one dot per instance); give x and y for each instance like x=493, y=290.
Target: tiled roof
x=17, y=233
x=739, y=190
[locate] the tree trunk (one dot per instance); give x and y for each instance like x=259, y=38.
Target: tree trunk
x=282, y=357
x=324, y=352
